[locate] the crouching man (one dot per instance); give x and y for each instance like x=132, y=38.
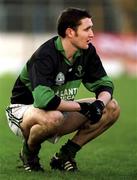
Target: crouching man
x=42, y=102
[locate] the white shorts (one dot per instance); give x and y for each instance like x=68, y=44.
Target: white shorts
x=15, y=113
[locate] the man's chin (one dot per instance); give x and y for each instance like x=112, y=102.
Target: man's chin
x=86, y=47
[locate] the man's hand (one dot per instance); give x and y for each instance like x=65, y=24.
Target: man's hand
x=93, y=111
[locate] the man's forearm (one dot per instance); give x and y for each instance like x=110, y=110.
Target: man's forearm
x=68, y=106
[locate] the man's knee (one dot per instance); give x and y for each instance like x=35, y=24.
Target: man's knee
x=113, y=110
x=56, y=118
x=110, y=116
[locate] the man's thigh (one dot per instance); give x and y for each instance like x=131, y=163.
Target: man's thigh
x=72, y=122
x=39, y=116
x=75, y=120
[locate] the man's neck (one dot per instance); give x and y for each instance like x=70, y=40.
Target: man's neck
x=68, y=48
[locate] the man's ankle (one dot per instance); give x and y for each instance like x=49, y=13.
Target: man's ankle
x=69, y=149
x=30, y=152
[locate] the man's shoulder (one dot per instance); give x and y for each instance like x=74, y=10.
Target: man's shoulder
x=45, y=51
x=47, y=46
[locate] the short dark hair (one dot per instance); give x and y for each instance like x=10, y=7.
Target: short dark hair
x=70, y=17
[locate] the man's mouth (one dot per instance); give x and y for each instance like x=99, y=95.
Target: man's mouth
x=89, y=41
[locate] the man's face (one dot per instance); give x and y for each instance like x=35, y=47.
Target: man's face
x=83, y=35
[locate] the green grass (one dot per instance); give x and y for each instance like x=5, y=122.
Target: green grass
x=111, y=156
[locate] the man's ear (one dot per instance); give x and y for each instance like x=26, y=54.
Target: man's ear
x=70, y=32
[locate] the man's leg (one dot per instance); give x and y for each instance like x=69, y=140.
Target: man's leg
x=90, y=131
x=86, y=132
x=37, y=126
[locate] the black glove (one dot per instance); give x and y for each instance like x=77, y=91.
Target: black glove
x=93, y=111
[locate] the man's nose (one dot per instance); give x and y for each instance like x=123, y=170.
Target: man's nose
x=91, y=33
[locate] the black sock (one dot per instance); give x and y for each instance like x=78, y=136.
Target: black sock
x=69, y=149
x=27, y=151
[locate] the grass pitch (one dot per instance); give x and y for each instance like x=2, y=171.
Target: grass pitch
x=111, y=156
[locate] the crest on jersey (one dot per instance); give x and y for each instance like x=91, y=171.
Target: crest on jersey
x=60, y=78
x=79, y=72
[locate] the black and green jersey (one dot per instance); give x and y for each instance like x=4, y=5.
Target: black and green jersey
x=49, y=76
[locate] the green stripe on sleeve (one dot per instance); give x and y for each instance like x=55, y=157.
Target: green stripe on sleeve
x=104, y=81
x=24, y=77
x=42, y=95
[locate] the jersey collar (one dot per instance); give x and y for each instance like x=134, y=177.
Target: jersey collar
x=59, y=47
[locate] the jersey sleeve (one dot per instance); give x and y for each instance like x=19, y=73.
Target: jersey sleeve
x=96, y=79
x=41, y=73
